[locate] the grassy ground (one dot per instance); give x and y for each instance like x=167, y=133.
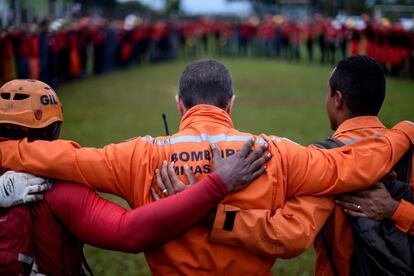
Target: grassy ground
x=273, y=97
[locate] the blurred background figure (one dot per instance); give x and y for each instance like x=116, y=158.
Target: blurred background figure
x=70, y=39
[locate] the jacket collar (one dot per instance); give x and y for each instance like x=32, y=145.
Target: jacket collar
x=203, y=113
x=360, y=122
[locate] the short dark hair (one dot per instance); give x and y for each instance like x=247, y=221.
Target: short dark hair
x=361, y=81
x=206, y=81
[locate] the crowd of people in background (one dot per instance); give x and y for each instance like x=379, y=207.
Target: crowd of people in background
x=63, y=50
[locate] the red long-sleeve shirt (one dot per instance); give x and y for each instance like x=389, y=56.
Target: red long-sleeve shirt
x=72, y=214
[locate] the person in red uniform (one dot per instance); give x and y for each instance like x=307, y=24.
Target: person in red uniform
x=158, y=34
x=71, y=215
x=21, y=49
x=244, y=35
x=296, y=40
x=138, y=36
x=331, y=41
x=309, y=37
x=54, y=49
x=6, y=57
x=355, y=41
x=97, y=34
x=75, y=68
x=34, y=53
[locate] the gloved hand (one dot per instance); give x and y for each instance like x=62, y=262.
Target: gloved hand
x=17, y=188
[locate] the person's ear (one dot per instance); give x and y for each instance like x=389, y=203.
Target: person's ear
x=180, y=105
x=230, y=104
x=338, y=100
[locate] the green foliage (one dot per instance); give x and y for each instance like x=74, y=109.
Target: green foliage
x=274, y=97
x=173, y=6
x=269, y=2
x=332, y=8
x=326, y=7
x=101, y=3
x=123, y=9
x=394, y=2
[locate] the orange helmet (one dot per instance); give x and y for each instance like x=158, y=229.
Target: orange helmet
x=29, y=103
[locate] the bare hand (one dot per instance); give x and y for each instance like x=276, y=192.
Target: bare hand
x=235, y=171
x=238, y=170
x=375, y=203
x=169, y=183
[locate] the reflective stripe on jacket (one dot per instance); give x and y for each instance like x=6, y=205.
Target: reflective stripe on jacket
x=127, y=170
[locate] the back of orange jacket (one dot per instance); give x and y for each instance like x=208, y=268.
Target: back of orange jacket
x=127, y=170
x=338, y=230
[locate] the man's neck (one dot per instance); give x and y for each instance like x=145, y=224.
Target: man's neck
x=344, y=117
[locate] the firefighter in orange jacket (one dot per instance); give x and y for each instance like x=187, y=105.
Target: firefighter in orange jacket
x=376, y=203
x=356, y=91
x=205, y=100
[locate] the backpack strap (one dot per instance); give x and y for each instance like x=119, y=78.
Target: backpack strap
x=27, y=263
x=404, y=166
x=328, y=249
x=86, y=265
x=329, y=143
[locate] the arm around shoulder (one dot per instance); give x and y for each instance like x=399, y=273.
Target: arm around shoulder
x=285, y=233
x=107, y=169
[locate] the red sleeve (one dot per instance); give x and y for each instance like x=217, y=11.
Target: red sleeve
x=101, y=223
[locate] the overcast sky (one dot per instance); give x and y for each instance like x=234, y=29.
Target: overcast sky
x=206, y=6
x=215, y=7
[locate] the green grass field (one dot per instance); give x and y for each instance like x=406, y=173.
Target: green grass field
x=273, y=97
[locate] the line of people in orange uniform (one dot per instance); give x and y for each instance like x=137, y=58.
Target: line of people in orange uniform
x=61, y=51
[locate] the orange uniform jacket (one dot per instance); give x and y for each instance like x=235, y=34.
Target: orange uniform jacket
x=127, y=170
x=338, y=229
x=267, y=226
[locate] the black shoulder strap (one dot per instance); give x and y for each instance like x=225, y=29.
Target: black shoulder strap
x=86, y=265
x=329, y=143
x=84, y=262
x=328, y=249
x=404, y=166
x=403, y=169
